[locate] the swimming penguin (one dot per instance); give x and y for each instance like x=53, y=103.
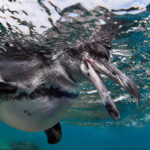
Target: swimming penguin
x=36, y=88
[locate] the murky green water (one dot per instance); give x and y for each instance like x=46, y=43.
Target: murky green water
x=47, y=25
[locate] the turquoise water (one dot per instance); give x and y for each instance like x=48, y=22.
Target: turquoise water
x=77, y=137
x=87, y=125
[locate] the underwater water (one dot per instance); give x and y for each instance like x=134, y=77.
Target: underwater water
x=59, y=24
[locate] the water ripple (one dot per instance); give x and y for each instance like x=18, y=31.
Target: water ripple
x=71, y=27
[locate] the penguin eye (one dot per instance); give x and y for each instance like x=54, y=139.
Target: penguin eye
x=97, y=55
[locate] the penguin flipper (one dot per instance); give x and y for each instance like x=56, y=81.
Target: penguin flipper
x=54, y=134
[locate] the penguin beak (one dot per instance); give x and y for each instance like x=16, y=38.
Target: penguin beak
x=95, y=69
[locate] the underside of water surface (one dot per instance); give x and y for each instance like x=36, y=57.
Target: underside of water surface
x=52, y=27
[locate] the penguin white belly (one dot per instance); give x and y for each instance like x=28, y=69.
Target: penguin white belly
x=33, y=115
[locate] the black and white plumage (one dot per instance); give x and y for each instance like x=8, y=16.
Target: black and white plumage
x=37, y=88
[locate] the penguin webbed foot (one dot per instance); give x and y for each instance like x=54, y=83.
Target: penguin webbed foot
x=54, y=134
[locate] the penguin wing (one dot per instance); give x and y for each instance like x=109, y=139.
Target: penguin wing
x=14, y=70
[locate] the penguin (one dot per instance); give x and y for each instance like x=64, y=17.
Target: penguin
x=37, y=88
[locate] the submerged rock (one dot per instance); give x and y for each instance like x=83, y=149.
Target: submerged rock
x=23, y=146
x=4, y=145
